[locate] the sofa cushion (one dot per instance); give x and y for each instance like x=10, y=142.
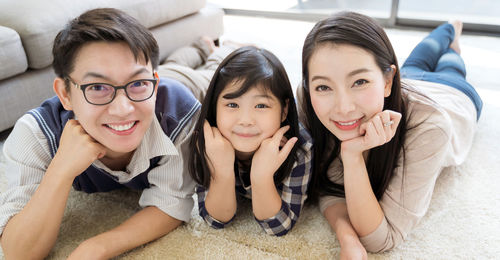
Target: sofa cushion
x=38, y=22
x=12, y=57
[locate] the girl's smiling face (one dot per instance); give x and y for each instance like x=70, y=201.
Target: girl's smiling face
x=347, y=88
x=248, y=119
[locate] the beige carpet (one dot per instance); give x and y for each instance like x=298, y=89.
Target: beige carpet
x=463, y=220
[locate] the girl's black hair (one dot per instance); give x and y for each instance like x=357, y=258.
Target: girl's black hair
x=361, y=31
x=251, y=67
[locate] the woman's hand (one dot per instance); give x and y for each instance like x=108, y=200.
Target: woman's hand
x=379, y=130
x=269, y=157
x=220, y=152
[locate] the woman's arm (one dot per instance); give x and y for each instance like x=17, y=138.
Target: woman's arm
x=384, y=224
x=350, y=246
x=364, y=210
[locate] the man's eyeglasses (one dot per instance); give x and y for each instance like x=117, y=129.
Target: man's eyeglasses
x=103, y=93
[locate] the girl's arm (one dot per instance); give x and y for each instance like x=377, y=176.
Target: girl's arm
x=220, y=201
x=277, y=214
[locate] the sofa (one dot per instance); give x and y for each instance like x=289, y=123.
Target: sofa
x=28, y=28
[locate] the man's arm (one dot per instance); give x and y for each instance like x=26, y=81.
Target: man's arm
x=32, y=232
x=146, y=225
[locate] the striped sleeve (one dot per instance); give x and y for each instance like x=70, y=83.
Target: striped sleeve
x=27, y=157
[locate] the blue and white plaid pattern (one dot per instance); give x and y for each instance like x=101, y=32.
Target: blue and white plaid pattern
x=293, y=192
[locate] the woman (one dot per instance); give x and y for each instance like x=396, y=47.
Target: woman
x=382, y=142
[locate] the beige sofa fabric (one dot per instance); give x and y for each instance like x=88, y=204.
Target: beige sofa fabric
x=177, y=34
x=38, y=22
x=19, y=94
x=12, y=57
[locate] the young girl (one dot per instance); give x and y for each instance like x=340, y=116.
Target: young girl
x=248, y=141
x=381, y=142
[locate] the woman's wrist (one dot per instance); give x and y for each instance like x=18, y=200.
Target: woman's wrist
x=352, y=157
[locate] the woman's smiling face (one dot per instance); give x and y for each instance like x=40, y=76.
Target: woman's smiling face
x=347, y=88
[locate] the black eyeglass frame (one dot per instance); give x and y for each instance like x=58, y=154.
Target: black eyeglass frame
x=115, y=89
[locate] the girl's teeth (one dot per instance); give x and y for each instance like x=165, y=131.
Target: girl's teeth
x=121, y=127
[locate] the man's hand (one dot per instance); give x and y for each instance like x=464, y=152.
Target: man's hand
x=77, y=150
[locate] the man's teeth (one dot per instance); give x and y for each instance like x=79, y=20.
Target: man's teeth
x=121, y=127
x=348, y=123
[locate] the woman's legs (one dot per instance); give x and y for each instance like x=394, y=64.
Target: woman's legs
x=437, y=59
x=426, y=54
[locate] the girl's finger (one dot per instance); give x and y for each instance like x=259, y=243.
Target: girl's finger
x=283, y=141
x=216, y=132
x=283, y=153
x=279, y=134
x=207, y=131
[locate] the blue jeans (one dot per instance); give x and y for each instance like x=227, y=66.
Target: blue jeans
x=433, y=60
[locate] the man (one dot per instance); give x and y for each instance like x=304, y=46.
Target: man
x=113, y=124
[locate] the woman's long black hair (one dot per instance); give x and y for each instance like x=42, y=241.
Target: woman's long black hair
x=251, y=67
x=364, y=32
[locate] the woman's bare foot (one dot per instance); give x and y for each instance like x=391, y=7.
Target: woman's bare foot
x=457, y=25
x=209, y=43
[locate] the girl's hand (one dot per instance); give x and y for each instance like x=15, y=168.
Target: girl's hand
x=353, y=250
x=268, y=158
x=220, y=152
x=379, y=130
x=77, y=150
